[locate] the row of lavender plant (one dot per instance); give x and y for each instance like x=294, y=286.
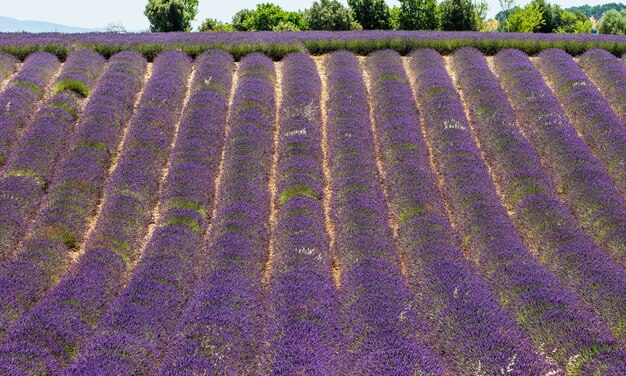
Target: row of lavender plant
x=303, y=333
x=384, y=333
x=474, y=332
x=147, y=309
x=220, y=331
x=588, y=112
x=608, y=73
x=21, y=96
x=8, y=65
x=551, y=315
x=73, y=196
x=544, y=222
x=577, y=175
x=31, y=165
x=57, y=327
x=23, y=93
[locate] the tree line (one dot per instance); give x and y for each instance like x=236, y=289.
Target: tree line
x=447, y=15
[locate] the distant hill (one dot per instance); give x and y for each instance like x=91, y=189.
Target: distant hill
x=596, y=11
x=8, y=24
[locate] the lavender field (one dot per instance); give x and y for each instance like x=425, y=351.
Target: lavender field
x=313, y=215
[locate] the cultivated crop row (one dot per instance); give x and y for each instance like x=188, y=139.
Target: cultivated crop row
x=338, y=215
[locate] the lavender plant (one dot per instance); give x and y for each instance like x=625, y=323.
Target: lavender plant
x=544, y=222
x=303, y=332
x=558, y=324
x=577, y=175
x=129, y=340
x=8, y=65
x=384, y=332
x=220, y=329
x=31, y=165
x=67, y=315
x=608, y=73
x=474, y=333
x=589, y=113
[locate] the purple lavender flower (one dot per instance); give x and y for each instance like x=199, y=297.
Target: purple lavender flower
x=548, y=311
x=474, y=332
x=220, y=330
x=384, y=333
x=21, y=96
x=303, y=332
x=578, y=177
x=544, y=222
x=8, y=65
x=66, y=316
x=589, y=113
x=34, y=158
x=608, y=73
x=140, y=316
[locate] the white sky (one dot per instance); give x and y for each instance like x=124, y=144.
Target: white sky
x=99, y=13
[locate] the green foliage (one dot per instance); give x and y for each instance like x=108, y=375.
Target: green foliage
x=211, y=24
x=371, y=14
x=613, y=22
x=239, y=19
x=72, y=84
x=268, y=17
x=394, y=17
x=548, y=15
x=598, y=10
x=525, y=20
x=171, y=15
x=480, y=14
x=569, y=22
x=457, y=15
x=329, y=15
x=417, y=15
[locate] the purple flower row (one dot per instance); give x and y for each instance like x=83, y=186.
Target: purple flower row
x=303, y=333
x=22, y=95
x=473, y=331
x=220, y=330
x=589, y=113
x=8, y=65
x=551, y=315
x=57, y=327
x=544, y=223
x=577, y=175
x=384, y=333
x=133, y=328
x=31, y=165
x=608, y=73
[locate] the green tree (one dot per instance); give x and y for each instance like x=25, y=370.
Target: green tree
x=269, y=16
x=613, y=22
x=171, y=15
x=480, y=14
x=457, y=15
x=417, y=15
x=576, y=23
x=371, y=14
x=525, y=20
x=211, y=24
x=240, y=18
x=329, y=15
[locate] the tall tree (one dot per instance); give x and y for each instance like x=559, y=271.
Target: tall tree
x=457, y=15
x=371, y=14
x=525, y=20
x=613, y=22
x=329, y=15
x=171, y=15
x=417, y=15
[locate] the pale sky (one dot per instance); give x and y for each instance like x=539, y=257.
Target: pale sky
x=98, y=14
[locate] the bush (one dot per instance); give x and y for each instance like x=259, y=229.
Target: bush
x=329, y=15
x=613, y=22
x=211, y=24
